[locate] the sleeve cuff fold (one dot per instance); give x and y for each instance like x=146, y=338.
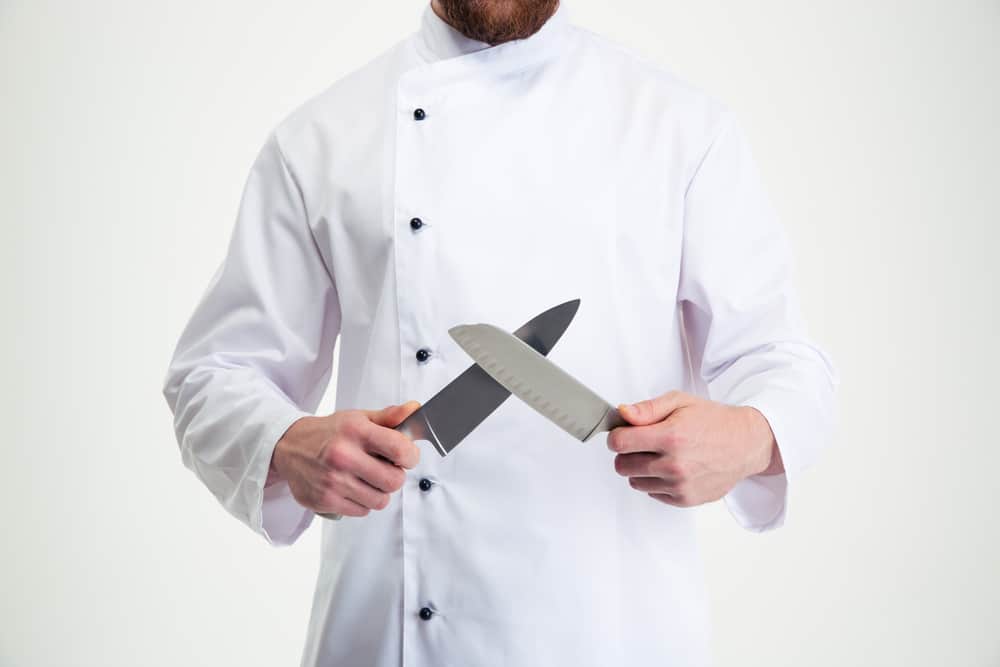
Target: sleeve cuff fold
x=274, y=513
x=759, y=503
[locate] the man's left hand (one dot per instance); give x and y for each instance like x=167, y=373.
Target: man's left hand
x=684, y=451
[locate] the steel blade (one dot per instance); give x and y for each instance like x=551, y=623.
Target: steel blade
x=537, y=381
x=452, y=413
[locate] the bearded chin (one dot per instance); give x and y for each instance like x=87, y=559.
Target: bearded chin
x=498, y=21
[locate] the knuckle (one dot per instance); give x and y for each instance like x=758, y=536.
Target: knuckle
x=616, y=440
x=339, y=456
x=338, y=421
x=396, y=479
x=406, y=460
x=352, y=423
x=328, y=499
x=397, y=450
x=667, y=437
x=668, y=469
x=620, y=464
x=326, y=452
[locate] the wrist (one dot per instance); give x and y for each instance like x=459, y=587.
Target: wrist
x=764, y=448
x=278, y=455
x=273, y=476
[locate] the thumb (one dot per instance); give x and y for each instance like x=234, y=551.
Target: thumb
x=654, y=410
x=393, y=415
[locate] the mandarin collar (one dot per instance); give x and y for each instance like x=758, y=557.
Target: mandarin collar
x=437, y=40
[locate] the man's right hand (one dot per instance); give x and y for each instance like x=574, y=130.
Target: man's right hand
x=332, y=464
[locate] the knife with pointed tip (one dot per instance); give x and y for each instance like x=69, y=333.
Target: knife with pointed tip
x=452, y=413
x=538, y=381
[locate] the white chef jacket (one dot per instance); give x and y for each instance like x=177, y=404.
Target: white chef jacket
x=556, y=167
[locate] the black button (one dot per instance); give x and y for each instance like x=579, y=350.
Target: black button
x=426, y=613
x=416, y=223
x=418, y=114
x=423, y=355
x=426, y=484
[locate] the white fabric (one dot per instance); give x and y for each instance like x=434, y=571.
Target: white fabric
x=546, y=169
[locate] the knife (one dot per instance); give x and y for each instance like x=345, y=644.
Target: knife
x=452, y=413
x=537, y=381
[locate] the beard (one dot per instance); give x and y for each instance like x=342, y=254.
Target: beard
x=497, y=21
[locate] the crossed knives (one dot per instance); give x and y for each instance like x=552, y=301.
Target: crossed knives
x=510, y=364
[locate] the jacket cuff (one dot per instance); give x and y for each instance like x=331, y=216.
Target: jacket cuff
x=275, y=514
x=759, y=503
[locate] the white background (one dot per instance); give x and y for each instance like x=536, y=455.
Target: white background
x=127, y=128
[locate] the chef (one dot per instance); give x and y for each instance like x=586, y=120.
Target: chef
x=495, y=163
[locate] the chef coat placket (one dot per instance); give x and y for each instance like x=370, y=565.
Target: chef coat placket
x=422, y=370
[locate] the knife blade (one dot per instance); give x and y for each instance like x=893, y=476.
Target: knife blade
x=461, y=405
x=537, y=381
x=451, y=414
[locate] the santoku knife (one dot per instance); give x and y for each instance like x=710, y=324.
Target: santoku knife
x=537, y=381
x=452, y=413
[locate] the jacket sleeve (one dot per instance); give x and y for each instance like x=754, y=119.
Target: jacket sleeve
x=256, y=355
x=745, y=333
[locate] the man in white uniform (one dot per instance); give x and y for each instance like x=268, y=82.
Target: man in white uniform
x=498, y=162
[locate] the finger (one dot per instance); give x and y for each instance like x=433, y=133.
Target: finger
x=336, y=504
x=675, y=499
x=384, y=476
x=392, y=416
x=363, y=493
x=630, y=439
x=391, y=445
x=656, y=409
x=636, y=465
x=651, y=484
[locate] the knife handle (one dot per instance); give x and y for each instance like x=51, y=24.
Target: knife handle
x=415, y=427
x=611, y=420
